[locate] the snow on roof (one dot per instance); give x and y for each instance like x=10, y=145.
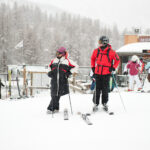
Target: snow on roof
x=134, y=47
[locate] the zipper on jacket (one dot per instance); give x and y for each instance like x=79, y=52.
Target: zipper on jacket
x=58, y=77
x=100, y=65
x=101, y=57
x=98, y=68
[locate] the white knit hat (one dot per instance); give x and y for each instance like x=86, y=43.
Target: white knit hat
x=134, y=58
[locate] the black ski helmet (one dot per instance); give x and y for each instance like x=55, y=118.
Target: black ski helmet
x=104, y=40
x=141, y=58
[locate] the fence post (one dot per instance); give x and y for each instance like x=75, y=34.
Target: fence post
x=74, y=81
x=9, y=79
x=24, y=80
x=31, y=90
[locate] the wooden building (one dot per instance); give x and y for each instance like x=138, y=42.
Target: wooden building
x=134, y=45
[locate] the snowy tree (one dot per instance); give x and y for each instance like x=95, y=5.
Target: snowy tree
x=42, y=34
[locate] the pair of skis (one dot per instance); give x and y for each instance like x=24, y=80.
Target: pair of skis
x=85, y=116
x=105, y=110
x=66, y=114
x=87, y=120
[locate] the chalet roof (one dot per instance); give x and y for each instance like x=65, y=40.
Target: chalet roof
x=134, y=47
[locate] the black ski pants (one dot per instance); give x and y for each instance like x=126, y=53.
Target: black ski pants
x=54, y=104
x=102, y=86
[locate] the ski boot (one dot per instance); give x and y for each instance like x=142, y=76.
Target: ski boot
x=105, y=107
x=52, y=112
x=95, y=108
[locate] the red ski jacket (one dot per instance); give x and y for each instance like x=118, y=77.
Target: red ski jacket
x=102, y=60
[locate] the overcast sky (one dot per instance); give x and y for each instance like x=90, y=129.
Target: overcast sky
x=125, y=13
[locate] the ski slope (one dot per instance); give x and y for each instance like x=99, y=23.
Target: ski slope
x=24, y=124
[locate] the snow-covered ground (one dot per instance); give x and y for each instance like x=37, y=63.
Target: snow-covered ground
x=24, y=124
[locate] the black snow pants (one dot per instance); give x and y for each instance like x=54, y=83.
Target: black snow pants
x=54, y=104
x=102, y=86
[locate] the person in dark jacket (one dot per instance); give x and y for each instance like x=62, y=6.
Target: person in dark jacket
x=104, y=60
x=61, y=68
x=1, y=84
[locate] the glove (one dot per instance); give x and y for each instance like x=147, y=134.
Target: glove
x=125, y=73
x=50, y=74
x=93, y=69
x=68, y=73
x=111, y=69
x=94, y=77
x=93, y=85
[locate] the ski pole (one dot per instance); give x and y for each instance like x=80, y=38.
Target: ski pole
x=95, y=91
x=70, y=104
x=70, y=98
x=6, y=88
x=119, y=92
x=52, y=108
x=144, y=80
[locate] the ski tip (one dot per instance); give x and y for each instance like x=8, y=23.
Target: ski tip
x=88, y=114
x=65, y=109
x=90, y=124
x=111, y=113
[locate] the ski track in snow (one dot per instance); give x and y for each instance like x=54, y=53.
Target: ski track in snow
x=24, y=124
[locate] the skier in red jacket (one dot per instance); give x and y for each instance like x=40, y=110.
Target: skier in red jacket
x=104, y=60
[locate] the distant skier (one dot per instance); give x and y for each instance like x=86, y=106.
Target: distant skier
x=141, y=65
x=134, y=69
x=142, y=76
x=61, y=68
x=147, y=67
x=104, y=60
x=1, y=84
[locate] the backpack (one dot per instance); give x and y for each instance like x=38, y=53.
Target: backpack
x=104, y=54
